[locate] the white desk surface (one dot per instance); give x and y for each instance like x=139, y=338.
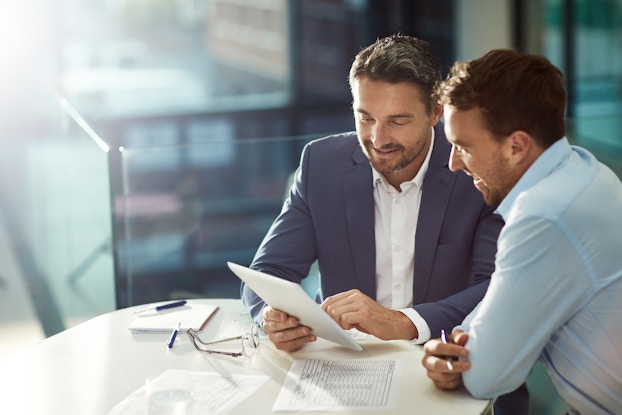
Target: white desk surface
x=90, y=368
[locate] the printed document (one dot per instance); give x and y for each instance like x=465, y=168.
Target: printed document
x=328, y=385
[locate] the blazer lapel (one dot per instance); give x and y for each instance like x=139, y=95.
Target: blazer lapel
x=359, y=200
x=436, y=191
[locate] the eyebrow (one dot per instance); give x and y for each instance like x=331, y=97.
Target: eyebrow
x=453, y=142
x=457, y=143
x=405, y=115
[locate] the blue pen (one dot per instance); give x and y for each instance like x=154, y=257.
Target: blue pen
x=171, y=340
x=162, y=307
x=450, y=360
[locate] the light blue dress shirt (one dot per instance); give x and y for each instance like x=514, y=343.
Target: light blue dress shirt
x=556, y=293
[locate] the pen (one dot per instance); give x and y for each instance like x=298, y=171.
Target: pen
x=171, y=340
x=450, y=360
x=162, y=307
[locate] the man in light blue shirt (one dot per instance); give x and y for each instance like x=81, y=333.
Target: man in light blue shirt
x=556, y=293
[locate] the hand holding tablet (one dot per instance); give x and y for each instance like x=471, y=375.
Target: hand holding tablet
x=291, y=298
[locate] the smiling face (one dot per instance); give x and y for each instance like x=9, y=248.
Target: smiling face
x=480, y=155
x=393, y=127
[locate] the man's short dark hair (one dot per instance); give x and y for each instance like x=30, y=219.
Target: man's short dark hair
x=396, y=59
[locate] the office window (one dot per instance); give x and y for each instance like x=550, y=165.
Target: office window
x=129, y=58
x=584, y=39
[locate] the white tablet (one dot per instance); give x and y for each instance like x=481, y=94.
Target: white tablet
x=292, y=299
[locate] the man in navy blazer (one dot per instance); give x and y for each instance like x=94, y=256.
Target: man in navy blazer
x=404, y=249
x=329, y=216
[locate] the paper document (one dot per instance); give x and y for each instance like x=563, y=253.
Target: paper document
x=211, y=392
x=324, y=385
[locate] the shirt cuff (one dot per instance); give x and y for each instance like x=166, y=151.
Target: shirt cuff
x=422, y=327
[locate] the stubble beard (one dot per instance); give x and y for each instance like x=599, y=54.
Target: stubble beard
x=494, y=196
x=386, y=167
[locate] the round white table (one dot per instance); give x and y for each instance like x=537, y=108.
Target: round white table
x=90, y=368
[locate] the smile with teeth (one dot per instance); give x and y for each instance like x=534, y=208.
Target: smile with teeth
x=384, y=151
x=476, y=179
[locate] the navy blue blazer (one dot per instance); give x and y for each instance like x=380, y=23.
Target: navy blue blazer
x=329, y=217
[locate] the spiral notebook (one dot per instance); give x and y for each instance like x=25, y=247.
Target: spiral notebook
x=192, y=316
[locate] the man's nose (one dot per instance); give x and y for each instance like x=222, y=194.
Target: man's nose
x=380, y=135
x=455, y=161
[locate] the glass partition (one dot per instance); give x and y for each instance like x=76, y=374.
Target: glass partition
x=55, y=221
x=184, y=210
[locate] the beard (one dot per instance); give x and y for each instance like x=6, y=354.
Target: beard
x=499, y=189
x=493, y=197
x=387, y=166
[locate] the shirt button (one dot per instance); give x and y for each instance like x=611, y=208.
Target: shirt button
x=398, y=201
x=397, y=248
x=397, y=287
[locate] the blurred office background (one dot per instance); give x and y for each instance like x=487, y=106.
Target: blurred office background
x=144, y=143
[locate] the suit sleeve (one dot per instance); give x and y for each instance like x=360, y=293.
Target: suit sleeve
x=288, y=249
x=449, y=312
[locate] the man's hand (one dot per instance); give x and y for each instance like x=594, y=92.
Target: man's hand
x=284, y=331
x=353, y=309
x=444, y=375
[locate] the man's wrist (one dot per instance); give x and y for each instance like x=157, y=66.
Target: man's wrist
x=408, y=329
x=421, y=326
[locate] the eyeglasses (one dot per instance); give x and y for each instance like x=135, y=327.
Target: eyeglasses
x=250, y=341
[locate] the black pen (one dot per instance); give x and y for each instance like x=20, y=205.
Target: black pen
x=171, y=340
x=450, y=359
x=162, y=307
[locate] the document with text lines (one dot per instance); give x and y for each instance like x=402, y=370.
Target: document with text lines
x=319, y=385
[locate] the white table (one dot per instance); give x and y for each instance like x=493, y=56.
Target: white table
x=90, y=368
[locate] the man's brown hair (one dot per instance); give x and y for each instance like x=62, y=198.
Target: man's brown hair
x=514, y=90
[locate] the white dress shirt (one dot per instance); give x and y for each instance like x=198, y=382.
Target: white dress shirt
x=395, y=215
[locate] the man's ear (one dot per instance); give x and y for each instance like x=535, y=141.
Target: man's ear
x=520, y=147
x=437, y=113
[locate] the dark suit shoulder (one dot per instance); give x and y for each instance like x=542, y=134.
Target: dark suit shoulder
x=335, y=141
x=336, y=149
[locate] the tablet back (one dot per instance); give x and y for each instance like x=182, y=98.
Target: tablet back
x=292, y=299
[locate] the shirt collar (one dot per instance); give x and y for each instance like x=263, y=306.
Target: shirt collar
x=542, y=167
x=418, y=179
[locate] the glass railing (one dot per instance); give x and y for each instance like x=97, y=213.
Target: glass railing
x=181, y=211
x=55, y=221
x=185, y=210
